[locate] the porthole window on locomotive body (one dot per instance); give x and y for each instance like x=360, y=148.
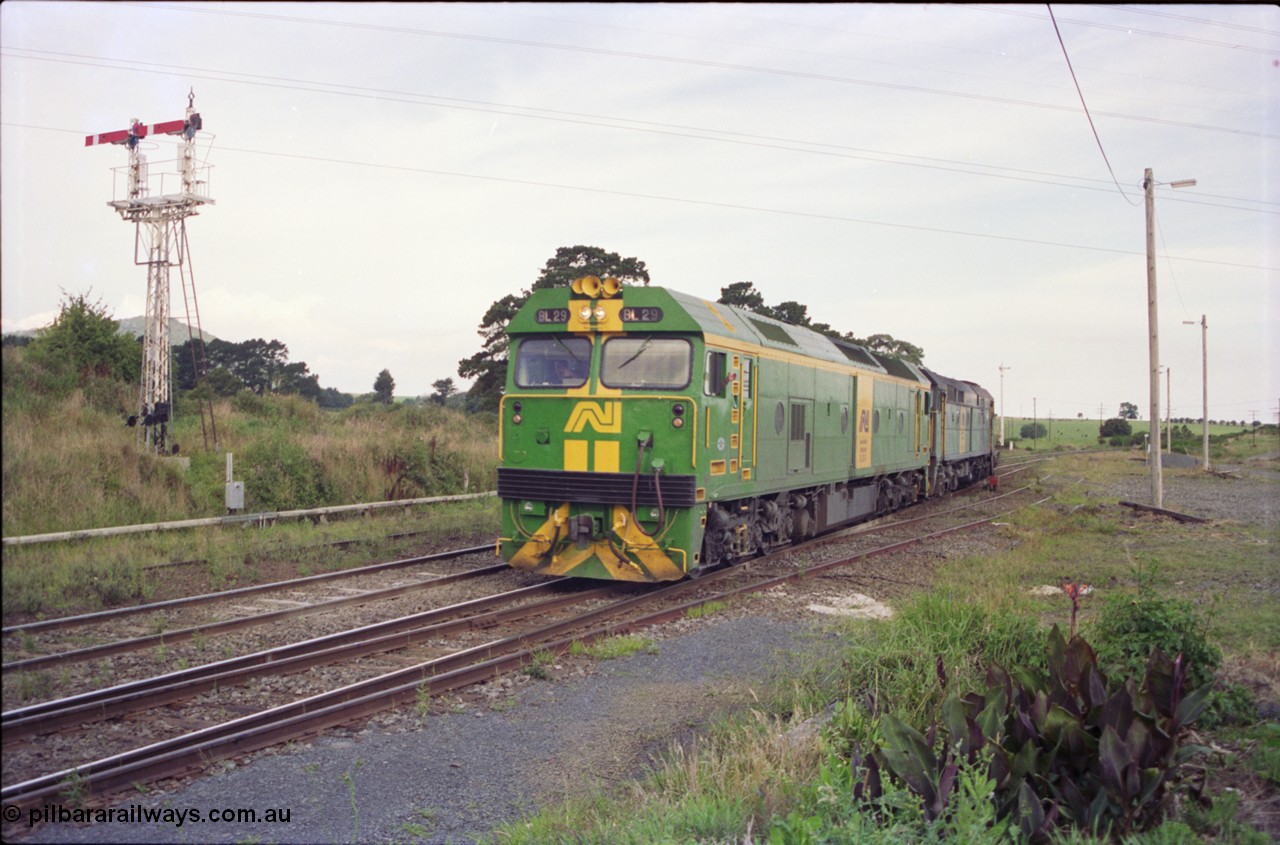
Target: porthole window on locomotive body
x=779, y=418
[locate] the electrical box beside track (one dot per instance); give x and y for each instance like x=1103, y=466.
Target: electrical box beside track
x=235, y=495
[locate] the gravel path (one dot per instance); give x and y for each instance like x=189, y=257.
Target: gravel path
x=1253, y=496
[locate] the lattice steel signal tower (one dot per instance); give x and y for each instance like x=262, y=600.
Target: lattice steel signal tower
x=160, y=242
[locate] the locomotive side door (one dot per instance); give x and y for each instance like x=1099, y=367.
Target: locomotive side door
x=800, y=437
x=744, y=414
x=919, y=423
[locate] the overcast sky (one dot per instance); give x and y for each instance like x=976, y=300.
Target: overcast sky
x=382, y=173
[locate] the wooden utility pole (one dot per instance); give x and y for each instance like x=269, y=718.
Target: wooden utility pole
x=1153, y=426
x=1153, y=449
x=1204, y=383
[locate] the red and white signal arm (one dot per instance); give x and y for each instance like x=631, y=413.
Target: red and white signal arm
x=142, y=130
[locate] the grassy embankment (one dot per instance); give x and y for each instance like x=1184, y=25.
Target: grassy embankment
x=747, y=781
x=1226, y=442
x=69, y=463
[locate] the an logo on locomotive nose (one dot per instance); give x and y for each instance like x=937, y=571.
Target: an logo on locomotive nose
x=604, y=417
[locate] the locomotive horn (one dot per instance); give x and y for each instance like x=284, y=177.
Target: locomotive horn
x=588, y=286
x=610, y=286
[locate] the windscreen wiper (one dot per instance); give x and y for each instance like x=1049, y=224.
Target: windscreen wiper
x=648, y=341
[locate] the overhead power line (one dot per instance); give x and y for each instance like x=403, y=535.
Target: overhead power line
x=1138, y=10
x=708, y=63
x=735, y=206
x=1128, y=30
x=813, y=215
x=629, y=124
x=1086, y=106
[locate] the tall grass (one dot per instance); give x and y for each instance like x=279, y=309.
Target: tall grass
x=70, y=463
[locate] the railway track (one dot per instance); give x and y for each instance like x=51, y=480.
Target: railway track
x=107, y=625
x=583, y=617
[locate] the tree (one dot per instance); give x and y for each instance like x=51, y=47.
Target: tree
x=744, y=295
x=331, y=397
x=489, y=366
x=258, y=363
x=86, y=339
x=297, y=378
x=1033, y=431
x=890, y=345
x=1128, y=411
x=222, y=382
x=384, y=387
x=444, y=389
x=1115, y=427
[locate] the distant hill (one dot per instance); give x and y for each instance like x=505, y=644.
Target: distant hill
x=134, y=326
x=178, y=331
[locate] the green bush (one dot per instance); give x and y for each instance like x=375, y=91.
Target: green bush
x=1066, y=750
x=280, y=475
x=1128, y=627
x=1115, y=428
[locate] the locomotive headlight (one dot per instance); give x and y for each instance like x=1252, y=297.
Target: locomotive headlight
x=678, y=422
x=676, y=409
x=601, y=313
x=516, y=418
x=585, y=314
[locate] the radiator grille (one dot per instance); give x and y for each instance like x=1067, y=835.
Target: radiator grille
x=611, y=488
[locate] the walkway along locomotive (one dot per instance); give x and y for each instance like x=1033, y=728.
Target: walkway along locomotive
x=646, y=434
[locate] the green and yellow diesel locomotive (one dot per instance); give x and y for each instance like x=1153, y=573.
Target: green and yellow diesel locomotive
x=646, y=434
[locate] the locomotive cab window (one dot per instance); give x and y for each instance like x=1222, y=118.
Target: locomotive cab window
x=553, y=362
x=647, y=363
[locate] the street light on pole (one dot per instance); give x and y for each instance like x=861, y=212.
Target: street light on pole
x=1004, y=439
x=1153, y=438
x=1204, y=355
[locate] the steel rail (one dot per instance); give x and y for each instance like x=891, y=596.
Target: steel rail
x=204, y=598
x=108, y=702
x=316, y=712
x=239, y=519
x=183, y=634
x=345, y=645
x=306, y=716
